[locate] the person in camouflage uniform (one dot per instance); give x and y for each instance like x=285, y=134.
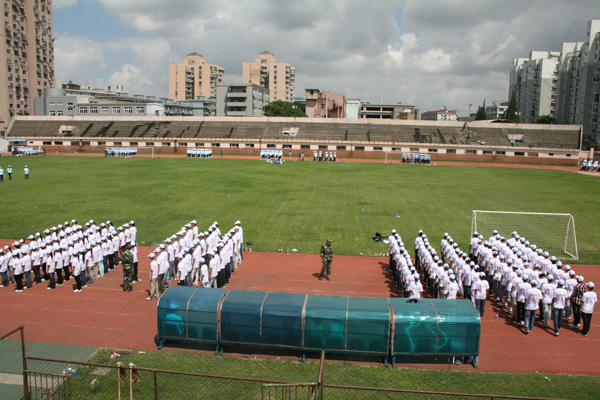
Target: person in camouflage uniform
x=127, y=260
x=327, y=257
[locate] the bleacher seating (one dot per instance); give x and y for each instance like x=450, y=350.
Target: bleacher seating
x=340, y=130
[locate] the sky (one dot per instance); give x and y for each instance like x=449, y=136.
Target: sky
x=431, y=53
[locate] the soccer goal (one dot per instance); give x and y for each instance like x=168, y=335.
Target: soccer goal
x=554, y=233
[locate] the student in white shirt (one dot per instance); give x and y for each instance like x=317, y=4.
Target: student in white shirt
x=588, y=300
x=153, y=277
x=558, y=304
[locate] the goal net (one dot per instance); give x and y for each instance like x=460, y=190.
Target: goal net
x=554, y=233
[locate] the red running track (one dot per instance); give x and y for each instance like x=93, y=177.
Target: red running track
x=103, y=315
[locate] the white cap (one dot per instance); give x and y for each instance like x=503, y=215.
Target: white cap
x=580, y=279
x=151, y=255
x=591, y=285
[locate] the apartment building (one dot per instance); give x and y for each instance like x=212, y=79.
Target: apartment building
x=278, y=77
x=440, y=115
x=28, y=50
x=241, y=100
x=194, y=78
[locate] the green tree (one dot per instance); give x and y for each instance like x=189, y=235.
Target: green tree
x=481, y=113
x=280, y=108
x=545, y=119
x=511, y=113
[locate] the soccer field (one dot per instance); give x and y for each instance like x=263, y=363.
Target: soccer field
x=292, y=206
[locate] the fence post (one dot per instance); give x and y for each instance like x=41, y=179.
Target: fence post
x=119, y=381
x=320, y=379
x=155, y=386
x=25, y=383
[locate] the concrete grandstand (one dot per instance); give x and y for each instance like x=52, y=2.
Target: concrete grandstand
x=477, y=140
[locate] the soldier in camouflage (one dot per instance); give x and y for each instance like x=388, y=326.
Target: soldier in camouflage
x=127, y=261
x=327, y=257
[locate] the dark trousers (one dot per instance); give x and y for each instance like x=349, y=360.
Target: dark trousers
x=587, y=319
x=576, y=313
x=67, y=273
x=28, y=279
x=135, y=272
x=59, y=277
x=19, y=280
x=52, y=280
x=78, y=281
x=36, y=274
x=520, y=311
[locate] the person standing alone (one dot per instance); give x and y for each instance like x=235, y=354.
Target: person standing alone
x=326, y=257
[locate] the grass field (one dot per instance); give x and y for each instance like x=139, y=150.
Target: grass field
x=184, y=387
x=295, y=205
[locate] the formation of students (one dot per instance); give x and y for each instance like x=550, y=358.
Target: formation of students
x=513, y=273
x=84, y=253
x=330, y=156
x=590, y=166
x=27, y=151
x=120, y=151
x=416, y=158
x=271, y=154
x=195, y=258
x=199, y=153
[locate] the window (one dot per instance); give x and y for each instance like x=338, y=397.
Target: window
x=93, y=110
x=270, y=146
x=133, y=143
x=450, y=151
x=488, y=152
x=359, y=147
x=471, y=151
x=396, y=148
x=149, y=144
x=199, y=144
x=85, y=143
x=286, y=146
x=218, y=145
x=101, y=143
x=58, y=143
x=52, y=113
x=139, y=110
x=183, y=144
x=550, y=154
x=500, y=153
x=568, y=155
x=377, y=148
x=249, y=144
x=128, y=110
x=46, y=143
x=532, y=154
x=340, y=147
x=432, y=150
x=305, y=146
x=83, y=110
x=322, y=147
x=519, y=153
x=116, y=110
x=59, y=113
x=117, y=144
x=415, y=149
x=234, y=145
x=105, y=110
x=165, y=144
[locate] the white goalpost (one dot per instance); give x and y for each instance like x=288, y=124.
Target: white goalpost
x=552, y=232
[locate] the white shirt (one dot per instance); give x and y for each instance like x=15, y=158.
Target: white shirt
x=587, y=300
x=559, y=298
x=153, y=269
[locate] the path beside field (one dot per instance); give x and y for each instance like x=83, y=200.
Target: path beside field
x=105, y=316
x=361, y=160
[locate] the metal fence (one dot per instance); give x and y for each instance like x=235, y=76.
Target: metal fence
x=45, y=378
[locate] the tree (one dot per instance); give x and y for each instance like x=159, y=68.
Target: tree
x=545, y=119
x=280, y=108
x=511, y=113
x=481, y=115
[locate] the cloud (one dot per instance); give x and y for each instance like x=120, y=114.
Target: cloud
x=432, y=52
x=58, y=4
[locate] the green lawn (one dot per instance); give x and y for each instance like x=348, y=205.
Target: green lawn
x=189, y=387
x=295, y=205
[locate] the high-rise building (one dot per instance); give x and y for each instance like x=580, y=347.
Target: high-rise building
x=531, y=81
x=564, y=85
x=241, y=100
x=278, y=77
x=194, y=78
x=28, y=50
x=578, y=85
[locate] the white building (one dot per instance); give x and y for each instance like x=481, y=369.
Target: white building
x=495, y=110
x=353, y=108
x=440, y=115
x=241, y=100
x=531, y=81
x=577, y=84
